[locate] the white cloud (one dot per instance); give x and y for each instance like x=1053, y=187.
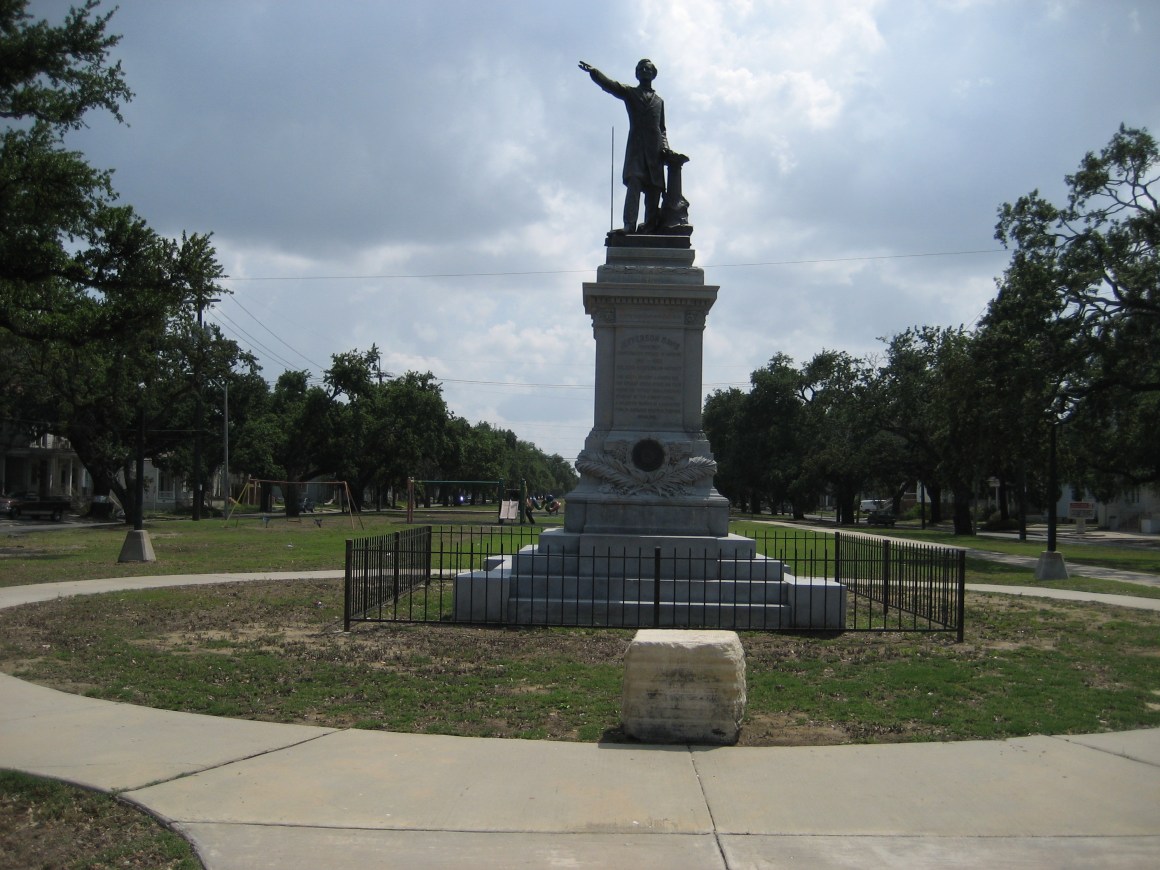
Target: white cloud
x=454, y=138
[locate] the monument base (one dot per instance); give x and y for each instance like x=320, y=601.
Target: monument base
x=138, y=547
x=669, y=581
x=646, y=534
x=1050, y=566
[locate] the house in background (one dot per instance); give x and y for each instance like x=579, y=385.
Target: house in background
x=48, y=466
x=1137, y=510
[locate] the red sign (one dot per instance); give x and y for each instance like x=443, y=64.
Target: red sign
x=1081, y=510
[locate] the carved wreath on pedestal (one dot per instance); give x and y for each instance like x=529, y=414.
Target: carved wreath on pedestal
x=645, y=467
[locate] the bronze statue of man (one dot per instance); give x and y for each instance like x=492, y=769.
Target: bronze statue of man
x=647, y=147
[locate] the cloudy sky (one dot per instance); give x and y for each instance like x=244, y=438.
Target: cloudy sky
x=433, y=176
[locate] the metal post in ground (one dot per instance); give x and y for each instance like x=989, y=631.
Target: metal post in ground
x=347, y=586
x=885, y=579
x=656, y=587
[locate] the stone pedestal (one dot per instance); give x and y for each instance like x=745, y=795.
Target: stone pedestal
x=646, y=535
x=684, y=687
x=646, y=467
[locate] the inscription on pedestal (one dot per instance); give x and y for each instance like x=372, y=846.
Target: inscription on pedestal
x=649, y=387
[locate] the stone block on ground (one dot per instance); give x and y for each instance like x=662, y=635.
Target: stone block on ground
x=684, y=687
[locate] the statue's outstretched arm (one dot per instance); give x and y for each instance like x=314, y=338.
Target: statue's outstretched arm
x=606, y=84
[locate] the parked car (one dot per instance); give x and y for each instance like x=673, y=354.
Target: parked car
x=882, y=517
x=30, y=504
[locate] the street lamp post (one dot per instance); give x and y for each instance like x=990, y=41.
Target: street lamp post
x=226, y=451
x=138, y=546
x=1051, y=565
x=199, y=413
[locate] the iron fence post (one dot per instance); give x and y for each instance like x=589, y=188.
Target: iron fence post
x=346, y=586
x=962, y=603
x=395, y=553
x=837, y=557
x=656, y=587
x=885, y=579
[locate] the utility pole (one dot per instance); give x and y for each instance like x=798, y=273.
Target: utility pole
x=1051, y=565
x=199, y=412
x=138, y=546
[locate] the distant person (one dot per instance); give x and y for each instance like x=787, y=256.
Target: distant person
x=528, y=510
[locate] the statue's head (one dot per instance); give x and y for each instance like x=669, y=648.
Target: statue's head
x=646, y=70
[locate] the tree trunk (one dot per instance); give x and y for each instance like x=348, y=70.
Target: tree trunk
x=1004, y=509
x=934, y=493
x=291, y=496
x=962, y=509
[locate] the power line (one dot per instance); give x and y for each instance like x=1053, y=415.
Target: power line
x=275, y=335
x=253, y=342
x=516, y=384
x=509, y=274
x=859, y=259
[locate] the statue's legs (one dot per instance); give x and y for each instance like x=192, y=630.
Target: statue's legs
x=631, y=205
x=652, y=199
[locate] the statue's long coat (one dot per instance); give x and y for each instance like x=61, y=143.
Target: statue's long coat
x=647, y=136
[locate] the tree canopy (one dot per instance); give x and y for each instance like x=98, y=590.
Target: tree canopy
x=1070, y=343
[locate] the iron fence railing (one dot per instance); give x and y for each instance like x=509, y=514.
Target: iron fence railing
x=495, y=575
x=901, y=585
x=383, y=572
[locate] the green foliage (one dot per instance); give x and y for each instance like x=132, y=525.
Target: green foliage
x=797, y=433
x=1072, y=336
x=375, y=431
x=1088, y=273
x=97, y=311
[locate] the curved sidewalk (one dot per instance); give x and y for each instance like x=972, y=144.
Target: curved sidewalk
x=255, y=795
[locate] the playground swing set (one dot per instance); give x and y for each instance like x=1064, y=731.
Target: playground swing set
x=509, y=500
x=251, y=493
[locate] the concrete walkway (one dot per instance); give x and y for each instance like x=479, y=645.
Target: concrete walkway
x=258, y=795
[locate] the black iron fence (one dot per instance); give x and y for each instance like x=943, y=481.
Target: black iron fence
x=499, y=575
x=900, y=585
x=383, y=572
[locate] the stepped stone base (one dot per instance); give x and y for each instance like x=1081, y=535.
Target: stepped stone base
x=608, y=580
x=684, y=687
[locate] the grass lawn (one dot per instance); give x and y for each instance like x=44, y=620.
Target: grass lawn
x=275, y=651
x=980, y=570
x=85, y=552
x=50, y=824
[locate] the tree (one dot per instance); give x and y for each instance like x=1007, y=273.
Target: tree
x=932, y=401
x=840, y=427
x=1024, y=353
x=722, y=418
x=74, y=266
x=94, y=303
x=1098, y=256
